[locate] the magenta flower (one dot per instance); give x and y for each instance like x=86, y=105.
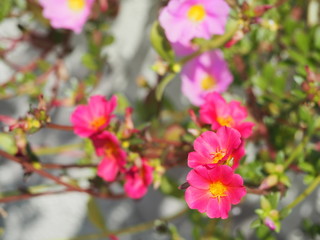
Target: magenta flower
x=94, y=117
x=67, y=14
x=114, y=157
x=223, y=147
x=206, y=73
x=213, y=189
x=184, y=20
x=138, y=179
x=217, y=112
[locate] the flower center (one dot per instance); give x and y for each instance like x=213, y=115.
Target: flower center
x=225, y=121
x=196, y=13
x=218, y=189
x=218, y=155
x=208, y=82
x=110, y=149
x=76, y=5
x=98, y=122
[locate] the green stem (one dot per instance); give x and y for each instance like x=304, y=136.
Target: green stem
x=129, y=230
x=305, y=194
x=296, y=152
x=58, y=149
x=163, y=84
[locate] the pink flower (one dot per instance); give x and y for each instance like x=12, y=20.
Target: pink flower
x=94, y=117
x=138, y=179
x=68, y=14
x=184, y=20
x=213, y=190
x=269, y=223
x=206, y=73
x=223, y=147
x=114, y=158
x=217, y=112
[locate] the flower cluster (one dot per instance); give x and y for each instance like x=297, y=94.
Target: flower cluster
x=213, y=184
x=184, y=20
x=92, y=121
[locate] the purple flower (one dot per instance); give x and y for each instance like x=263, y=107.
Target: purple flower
x=184, y=20
x=67, y=14
x=270, y=223
x=206, y=73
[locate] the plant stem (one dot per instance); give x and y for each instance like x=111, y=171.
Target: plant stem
x=57, y=149
x=305, y=194
x=59, y=127
x=296, y=152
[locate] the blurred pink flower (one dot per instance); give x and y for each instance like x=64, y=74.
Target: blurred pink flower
x=184, y=20
x=269, y=223
x=94, y=117
x=223, y=147
x=213, y=189
x=114, y=157
x=138, y=179
x=206, y=73
x=67, y=14
x=217, y=112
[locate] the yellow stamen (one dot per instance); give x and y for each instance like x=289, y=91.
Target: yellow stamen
x=76, y=5
x=218, y=155
x=225, y=121
x=110, y=149
x=98, y=122
x=218, y=189
x=196, y=13
x=208, y=82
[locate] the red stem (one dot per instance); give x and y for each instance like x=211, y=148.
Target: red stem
x=59, y=127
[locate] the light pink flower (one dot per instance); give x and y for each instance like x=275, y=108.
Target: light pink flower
x=114, y=157
x=213, y=189
x=223, y=147
x=94, y=117
x=217, y=112
x=204, y=74
x=138, y=179
x=184, y=20
x=67, y=14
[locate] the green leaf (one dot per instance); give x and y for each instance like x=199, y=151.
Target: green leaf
x=256, y=223
x=5, y=6
x=8, y=143
x=160, y=43
x=274, y=199
x=94, y=215
x=170, y=187
x=285, y=212
x=317, y=38
x=89, y=62
x=302, y=41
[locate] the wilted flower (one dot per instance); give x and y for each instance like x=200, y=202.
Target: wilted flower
x=217, y=112
x=223, y=147
x=94, y=117
x=67, y=14
x=206, y=73
x=138, y=179
x=114, y=157
x=184, y=20
x=213, y=189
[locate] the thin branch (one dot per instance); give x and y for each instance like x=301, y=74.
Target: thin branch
x=59, y=127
